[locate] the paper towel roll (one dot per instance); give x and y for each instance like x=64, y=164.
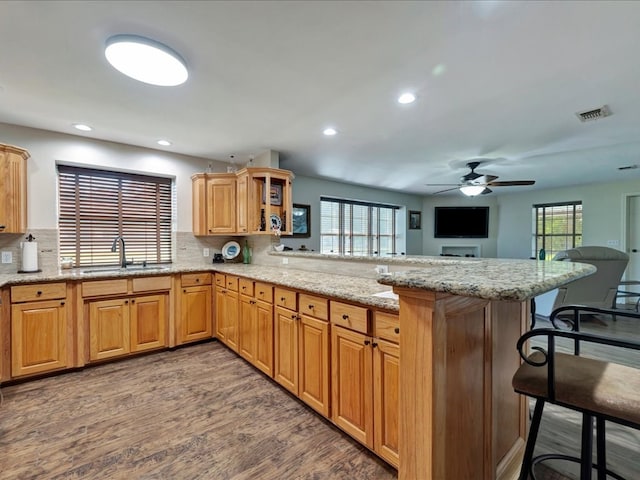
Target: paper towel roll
x=30, y=257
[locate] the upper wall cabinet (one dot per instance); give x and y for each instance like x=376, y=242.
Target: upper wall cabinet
x=252, y=201
x=13, y=189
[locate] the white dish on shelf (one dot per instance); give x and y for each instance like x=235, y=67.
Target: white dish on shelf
x=276, y=223
x=230, y=250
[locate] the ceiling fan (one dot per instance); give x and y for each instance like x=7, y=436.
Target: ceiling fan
x=473, y=183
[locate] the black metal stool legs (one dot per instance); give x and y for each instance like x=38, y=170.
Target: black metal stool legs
x=531, y=440
x=601, y=449
x=586, y=454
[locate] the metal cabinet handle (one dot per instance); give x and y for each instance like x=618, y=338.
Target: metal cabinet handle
x=397, y=329
x=311, y=307
x=374, y=344
x=345, y=316
x=38, y=293
x=367, y=342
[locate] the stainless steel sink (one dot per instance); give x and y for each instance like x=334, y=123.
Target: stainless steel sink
x=132, y=268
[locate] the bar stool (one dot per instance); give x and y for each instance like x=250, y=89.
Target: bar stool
x=598, y=389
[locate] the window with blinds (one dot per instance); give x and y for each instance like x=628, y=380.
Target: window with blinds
x=96, y=206
x=355, y=228
x=558, y=226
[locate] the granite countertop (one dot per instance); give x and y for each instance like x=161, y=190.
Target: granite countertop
x=492, y=279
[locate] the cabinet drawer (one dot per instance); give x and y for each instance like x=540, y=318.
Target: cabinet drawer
x=97, y=288
x=313, y=306
x=41, y=291
x=264, y=292
x=231, y=282
x=195, y=279
x=149, y=284
x=286, y=298
x=349, y=316
x=246, y=287
x=386, y=326
x=220, y=280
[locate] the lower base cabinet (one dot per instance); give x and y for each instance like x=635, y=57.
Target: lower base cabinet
x=126, y=325
x=194, y=320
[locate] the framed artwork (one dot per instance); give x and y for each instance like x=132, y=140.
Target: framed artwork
x=301, y=220
x=415, y=220
x=275, y=194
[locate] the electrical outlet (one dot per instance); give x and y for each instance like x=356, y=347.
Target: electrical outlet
x=285, y=261
x=205, y=252
x=7, y=257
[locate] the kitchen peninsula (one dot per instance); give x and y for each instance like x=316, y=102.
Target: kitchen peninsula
x=459, y=322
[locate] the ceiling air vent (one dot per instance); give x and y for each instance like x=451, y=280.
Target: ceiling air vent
x=594, y=114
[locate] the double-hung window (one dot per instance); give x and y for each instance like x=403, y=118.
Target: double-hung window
x=96, y=206
x=557, y=226
x=349, y=227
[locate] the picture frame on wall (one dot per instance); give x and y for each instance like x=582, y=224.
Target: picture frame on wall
x=275, y=195
x=301, y=215
x=415, y=220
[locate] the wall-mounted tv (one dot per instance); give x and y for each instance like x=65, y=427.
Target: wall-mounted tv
x=461, y=222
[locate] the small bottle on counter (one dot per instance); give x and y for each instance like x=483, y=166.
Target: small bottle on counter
x=246, y=253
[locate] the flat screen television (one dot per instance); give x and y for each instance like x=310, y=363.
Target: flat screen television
x=461, y=222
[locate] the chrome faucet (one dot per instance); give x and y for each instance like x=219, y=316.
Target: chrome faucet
x=123, y=258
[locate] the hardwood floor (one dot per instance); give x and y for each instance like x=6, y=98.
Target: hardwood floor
x=198, y=412
x=560, y=427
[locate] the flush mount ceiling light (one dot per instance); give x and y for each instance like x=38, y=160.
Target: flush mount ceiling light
x=83, y=127
x=329, y=132
x=164, y=143
x=406, y=98
x=472, y=190
x=146, y=60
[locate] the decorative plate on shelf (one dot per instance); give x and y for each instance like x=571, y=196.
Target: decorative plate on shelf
x=276, y=223
x=230, y=250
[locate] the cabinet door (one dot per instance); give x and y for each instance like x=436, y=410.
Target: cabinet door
x=221, y=305
x=38, y=337
x=314, y=363
x=195, y=314
x=13, y=189
x=286, y=349
x=248, y=329
x=232, y=313
x=221, y=204
x=264, y=341
x=148, y=322
x=108, y=328
x=352, y=388
x=386, y=359
x=242, y=203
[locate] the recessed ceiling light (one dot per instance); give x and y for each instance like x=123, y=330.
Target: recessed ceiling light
x=330, y=131
x=164, y=143
x=146, y=60
x=83, y=127
x=406, y=98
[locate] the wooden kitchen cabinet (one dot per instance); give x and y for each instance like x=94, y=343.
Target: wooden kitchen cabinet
x=227, y=310
x=365, y=377
x=40, y=334
x=302, y=347
x=13, y=189
x=126, y=316
x=235, y=203
x=195, y=320
x=255, y=342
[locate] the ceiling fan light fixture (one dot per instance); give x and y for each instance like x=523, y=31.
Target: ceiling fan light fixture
x=146, y=60
x=472, y=190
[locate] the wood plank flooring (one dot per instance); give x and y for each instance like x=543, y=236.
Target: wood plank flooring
x=198, y=412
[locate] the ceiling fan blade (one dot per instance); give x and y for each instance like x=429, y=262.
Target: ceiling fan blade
x=511, y=183
x=485, y=191
x=442, y=184
x=446, y=190
x=483, y=180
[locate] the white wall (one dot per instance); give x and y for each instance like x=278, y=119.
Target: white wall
x=308, y=190
x=47, y=148
x=602, y=215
